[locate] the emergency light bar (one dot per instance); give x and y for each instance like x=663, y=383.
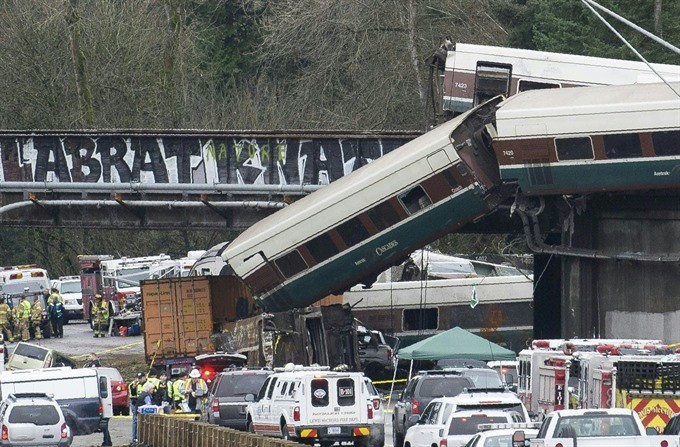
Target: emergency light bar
x=506, y=425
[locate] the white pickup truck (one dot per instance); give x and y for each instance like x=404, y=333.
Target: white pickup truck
x=615, y=427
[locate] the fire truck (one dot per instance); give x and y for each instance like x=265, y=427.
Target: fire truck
x=560, y=374
x=117, y=280
x=650, y=385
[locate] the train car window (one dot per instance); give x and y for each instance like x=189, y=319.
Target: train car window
x=414, y=199
x=383, y=216
x=421, y=318
x=291, y=264
x=523, y=85
x=579, y=148
x=666, y=143
x=462, y=170
x=491, y=80
x=622, y=146
x=451, y=180
x=322, y=247
x=352, y=231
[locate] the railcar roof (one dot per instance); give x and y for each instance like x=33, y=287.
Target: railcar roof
x=547, y=56
x=589, y=110
x=351, y=185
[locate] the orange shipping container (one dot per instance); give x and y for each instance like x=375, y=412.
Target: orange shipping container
x=180, y=314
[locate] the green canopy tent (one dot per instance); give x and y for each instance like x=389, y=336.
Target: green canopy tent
x=455, y=343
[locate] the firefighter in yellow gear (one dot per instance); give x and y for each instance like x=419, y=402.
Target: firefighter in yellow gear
x=5, y=317
x=23, y=314
x=16, y=321
x=100, y=313
x=36, y=318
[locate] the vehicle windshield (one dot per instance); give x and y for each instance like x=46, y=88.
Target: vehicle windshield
x=595, y=425
x=34, y=414
x=240, y=385
x=468, y=425
x=135, y=274
x=70, y=287
x=443, y=386
x=30, y=351
x=484, y=378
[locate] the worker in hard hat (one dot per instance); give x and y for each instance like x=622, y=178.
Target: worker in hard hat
x=195, y=390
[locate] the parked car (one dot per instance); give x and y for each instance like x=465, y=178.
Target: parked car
x=33, y=419
x=482, y=377
x=377, y=436
x=421, y=389
x=70, y=290
x=30, y=356
x=507, y=371
x=440, y=424
x=119, y=390
x=227, y=396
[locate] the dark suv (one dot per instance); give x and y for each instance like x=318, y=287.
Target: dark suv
x=421, y=389
x=227, y=396
x=673, y=426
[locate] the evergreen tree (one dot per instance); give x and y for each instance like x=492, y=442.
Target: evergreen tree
x=568, y=26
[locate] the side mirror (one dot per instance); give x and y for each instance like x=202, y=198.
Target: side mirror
x=250, y=397
x=518, y=438
x=651, y=431
x=415, y=419
x=508, y=379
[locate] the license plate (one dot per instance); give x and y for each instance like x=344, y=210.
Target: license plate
x=333, y=430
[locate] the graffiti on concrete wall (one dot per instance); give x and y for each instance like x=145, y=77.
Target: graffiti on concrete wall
x=186, y=159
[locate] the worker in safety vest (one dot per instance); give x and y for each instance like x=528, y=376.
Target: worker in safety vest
x=56, y=296
x=55, y=310
x=36, y=317
x=100, y=315
x=178, y=391
x=195, y=390
x=5, y=317
x=23, y=315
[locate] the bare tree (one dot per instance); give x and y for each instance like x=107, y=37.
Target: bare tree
x=348, y=64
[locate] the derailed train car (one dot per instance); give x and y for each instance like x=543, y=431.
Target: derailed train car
x=359, y=225
x=584, y=140
x=576, y=140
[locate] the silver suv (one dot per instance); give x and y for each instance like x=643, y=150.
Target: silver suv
x=33, y=419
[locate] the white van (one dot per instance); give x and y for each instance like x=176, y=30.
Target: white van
x=313, y=404
x=83, y=395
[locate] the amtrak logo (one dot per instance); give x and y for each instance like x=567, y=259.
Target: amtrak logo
x=319, y=393
x=388, y=246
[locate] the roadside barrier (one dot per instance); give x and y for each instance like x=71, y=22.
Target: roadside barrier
x=157, y=430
